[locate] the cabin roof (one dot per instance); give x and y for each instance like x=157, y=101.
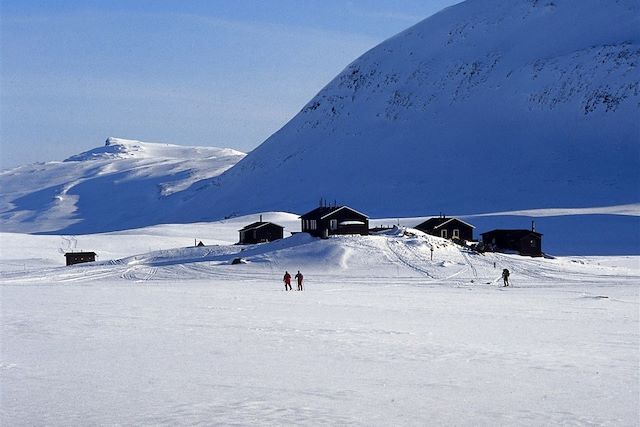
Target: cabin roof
x=258, y=224
x=323, y=212
x=79, y=253
x=433, y=223
x=318, y=212
x=514, y=233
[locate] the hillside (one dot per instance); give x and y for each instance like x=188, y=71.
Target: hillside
x=123, y=184
x=488, y=105
x=165, y=252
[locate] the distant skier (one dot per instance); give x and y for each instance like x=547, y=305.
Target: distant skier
x=299, y=278
x=505, y=277
x=287, y=281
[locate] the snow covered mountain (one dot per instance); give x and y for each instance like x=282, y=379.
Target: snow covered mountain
x=122, y=185
x=488, y=105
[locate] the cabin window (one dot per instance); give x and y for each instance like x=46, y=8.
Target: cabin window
x=312, y=226
x=333, y=224
x=533, y=243
x=456, y=233
x=443, y=234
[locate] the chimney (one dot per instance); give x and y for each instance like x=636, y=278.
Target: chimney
x=533, y=225
x=260, y=218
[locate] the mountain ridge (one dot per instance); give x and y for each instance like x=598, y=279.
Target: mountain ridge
x=122, y=184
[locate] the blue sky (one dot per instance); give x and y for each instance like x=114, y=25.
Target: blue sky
x=219, y=73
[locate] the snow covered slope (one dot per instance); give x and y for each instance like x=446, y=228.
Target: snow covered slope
x=122, y=185
x=167, y=252
x=488, y=105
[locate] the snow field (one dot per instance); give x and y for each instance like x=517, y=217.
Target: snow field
x=235, y=352
x=382, y=335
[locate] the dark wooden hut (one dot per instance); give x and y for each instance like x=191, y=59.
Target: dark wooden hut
x=260, y=231
x=447, y=228
x=325, y=221
x=525, y=242
x=79, y=257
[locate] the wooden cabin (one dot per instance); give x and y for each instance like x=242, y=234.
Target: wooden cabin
x=525, y=242
x=325, y=221
x=447, y=228
x=259, y=232
x=79, y=257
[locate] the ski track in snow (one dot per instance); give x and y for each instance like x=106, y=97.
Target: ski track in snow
x=469, y=263
x=402, y=256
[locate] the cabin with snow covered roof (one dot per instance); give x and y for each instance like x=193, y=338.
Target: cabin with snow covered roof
x=260, y=231
x=447, y=228
x=525, y=242
x=325, y=221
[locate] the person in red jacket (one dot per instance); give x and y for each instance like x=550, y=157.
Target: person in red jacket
x=299, y=278
x=287, y=281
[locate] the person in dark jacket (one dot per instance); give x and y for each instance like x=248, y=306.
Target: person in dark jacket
x=505, y=277
x=299, y=278
x=287, y=281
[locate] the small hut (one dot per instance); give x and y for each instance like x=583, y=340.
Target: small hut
x=325, y=221
x=79, y=257
x=525, y=242
x=447, y=228
x=260, y=231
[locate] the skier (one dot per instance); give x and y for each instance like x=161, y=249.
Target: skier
x=287, y=281
x=505, y=277
x=299, y=277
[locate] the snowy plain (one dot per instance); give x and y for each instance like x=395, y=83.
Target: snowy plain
x=382, y=334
